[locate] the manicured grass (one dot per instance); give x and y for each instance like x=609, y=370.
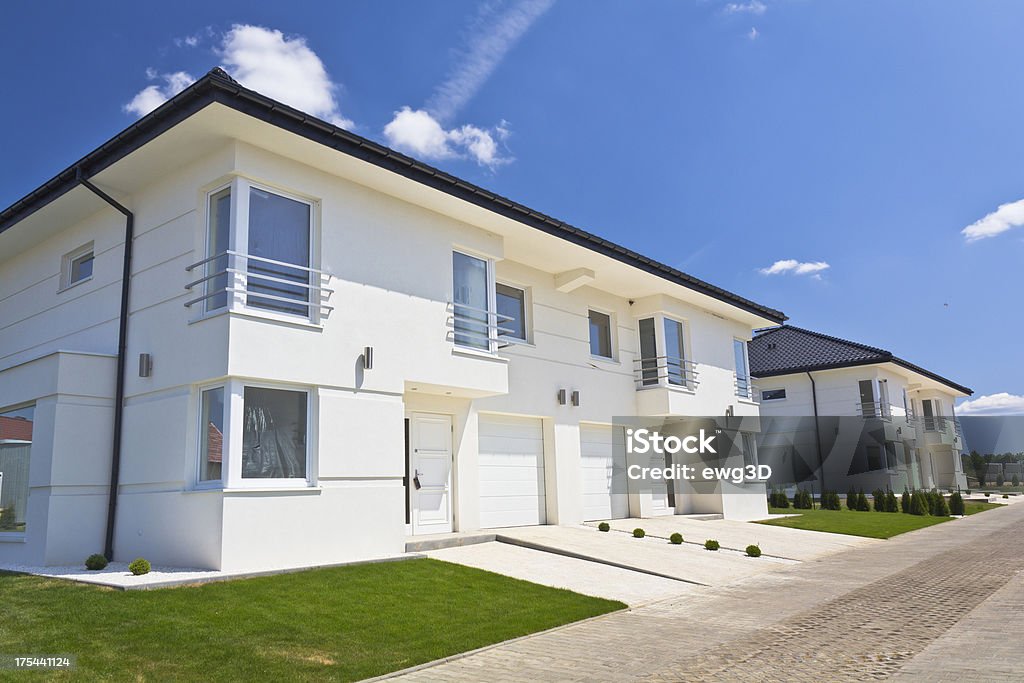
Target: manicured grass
x=342, y=623
x=870, y=524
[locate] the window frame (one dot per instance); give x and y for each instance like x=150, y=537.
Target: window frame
x=18, y=536
x=527, y=336
x=611, y=335
x=67, y=266
x=492, y=304
x=749, y=396
x=236, y=480
x=660, y=363
x=201, y=483
x=778, y=398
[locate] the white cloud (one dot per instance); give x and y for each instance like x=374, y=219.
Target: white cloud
x=489, y=39
x=753, y=7
x=794, y=267
x=753, y=33
x=420, y=134
x=265, y=60
x=1004, y=218
x=1002, y=403
x=152, y=96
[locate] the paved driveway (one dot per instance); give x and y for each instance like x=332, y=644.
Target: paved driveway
x=918, y=606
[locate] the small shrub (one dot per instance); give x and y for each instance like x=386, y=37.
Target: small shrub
x=753, y=551
x=999, y=480
x=940, y=508
x=878, y=500
x=956, y=504
x=862, y=502
x=890, y=502
x=139, y=566
x=639, y=533
x=830, y=501
x=711, y=544
x=802, y=500
x=905, y=501
x=604, y=526
x=1006, y=495
x=676, y=538
x=95, y=562
x=1015, y=481
x=851, y=499
x=778, y=499
x=918, y=504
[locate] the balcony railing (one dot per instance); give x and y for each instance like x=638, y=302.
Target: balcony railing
x=874, y=409
x=746, y=389
x=478, y=328
x=665, y=371
x=232, y=278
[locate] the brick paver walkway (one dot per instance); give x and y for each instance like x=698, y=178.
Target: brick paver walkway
x=923, y=606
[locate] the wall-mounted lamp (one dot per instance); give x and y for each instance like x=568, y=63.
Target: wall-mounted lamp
x=368, y=358
x=576, y=398
x=561, y=397
x=145, y=365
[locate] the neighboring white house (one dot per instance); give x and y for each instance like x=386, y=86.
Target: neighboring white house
x=327, y=347
x=911, y=434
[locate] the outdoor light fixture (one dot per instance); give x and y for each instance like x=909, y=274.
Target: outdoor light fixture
x=368, y=358
x=561, y=397
x=145, y=365
x=576, y=398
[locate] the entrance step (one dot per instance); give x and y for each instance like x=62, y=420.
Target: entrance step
x=419, y=544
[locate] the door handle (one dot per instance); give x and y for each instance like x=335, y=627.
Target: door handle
x=416, y=480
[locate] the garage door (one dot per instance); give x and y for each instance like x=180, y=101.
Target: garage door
x=600, y=465
x=511, y=471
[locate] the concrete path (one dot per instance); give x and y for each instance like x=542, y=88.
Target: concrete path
x=581, y=576
x=796, y=544
x=914, y=606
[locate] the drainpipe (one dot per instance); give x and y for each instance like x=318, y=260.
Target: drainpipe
x=817, y=432
x=122, y=343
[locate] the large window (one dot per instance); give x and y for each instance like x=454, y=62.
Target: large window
x=511, y=312
x=471, y=301
x=211, y=435
x=274, y=434
x=743, y=386
x=600, y=334
x=16, y=428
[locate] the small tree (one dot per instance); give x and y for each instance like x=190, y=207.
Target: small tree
x=862, y=502
x=1015, y=481
x=940, y=508
x=978, y=465
x=851, y=499
x=905, y=500
x=1000, y=480
x=956, y=504
x=890, y=502
x=918, y=504
x=878, y=500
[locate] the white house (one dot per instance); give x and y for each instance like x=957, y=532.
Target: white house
x=912, y=437
x=322, y=347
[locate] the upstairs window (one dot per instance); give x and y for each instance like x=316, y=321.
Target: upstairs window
x=471, y=301
x=76, y=266
x=511, y=312
x=600, y=334
x=743, y=386
x=773, y=394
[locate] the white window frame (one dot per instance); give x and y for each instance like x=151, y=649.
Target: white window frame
x=751, y=394
x=527, y=314
x=238, y=241
x=67, y=261
x=199, y=482
x=661, y=352
x=492, y=302
x=612, y=336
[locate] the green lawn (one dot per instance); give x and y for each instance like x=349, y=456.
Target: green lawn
x=342, y=623
x=870, y=524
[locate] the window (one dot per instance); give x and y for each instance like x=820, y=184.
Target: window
x=600, y=334
x=867, y=397
x=16, y=429
x=773, y=394
x=471, y=301
x=211, y=435
x=743, y=387
x=749, y=443
x=278, y=247
x=511, y=312
x=76, y=266
x=874, y=458
x=674, y=356
x=648, y=352
x=274, y=434
x=217, y=241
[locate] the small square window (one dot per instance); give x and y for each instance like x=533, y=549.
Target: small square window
x=600, y=334
x=511, y=312
x=773, y=394
x=76, y=266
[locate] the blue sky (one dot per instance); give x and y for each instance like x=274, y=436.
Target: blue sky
x=719, y=137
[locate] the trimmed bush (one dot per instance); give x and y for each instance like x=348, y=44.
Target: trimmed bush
x=778, y=499
x=676, y=538
x=830, y=501
x=939, y=507
x=604, y=526
x=918, y=504
x=1006, y=495
x=139, y=566
x=851, y=499
x=878, y=500
x=711, y=544
x=862, y=502
x=95, y=562
x=956, y=504
x=905, y=501
x=890, y=502
x=1015, y=481
x=1000, y=480
x=753, y=551
x=802, y=500
x=639, y=533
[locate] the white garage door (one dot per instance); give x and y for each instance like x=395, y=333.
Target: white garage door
x=511, y=471
x=600, y=465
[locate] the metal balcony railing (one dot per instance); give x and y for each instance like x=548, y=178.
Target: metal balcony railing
x=746, y=389
x=665, y=371
x=478, y=328
x=231, y=278
x=874, y=409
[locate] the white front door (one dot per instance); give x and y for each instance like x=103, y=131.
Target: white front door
x=431, y=473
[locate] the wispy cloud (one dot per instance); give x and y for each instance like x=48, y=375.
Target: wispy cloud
x=282, y=67
x=1004, y=218
x=794, y=267
x=425, y=131
x=753, y=33
x=753, y=7
x=1002, y=403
